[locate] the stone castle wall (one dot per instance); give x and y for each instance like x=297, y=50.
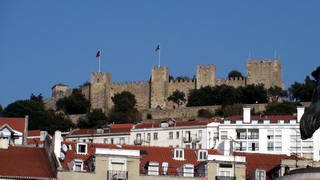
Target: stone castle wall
x=140, y=89
x=235, y=82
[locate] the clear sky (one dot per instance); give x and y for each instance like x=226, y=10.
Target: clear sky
x=44, y=42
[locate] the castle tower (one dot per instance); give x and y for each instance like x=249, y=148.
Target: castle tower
x=60, y=91
x=206, y=75
x=100, y=92
x=266, y=71
x=159, y=86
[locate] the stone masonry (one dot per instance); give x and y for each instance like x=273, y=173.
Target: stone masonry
x=153, y=94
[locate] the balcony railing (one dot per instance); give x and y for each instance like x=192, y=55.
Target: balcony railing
x=187, y=140
x=117, y=175
x=137, y=141
x=225, y=178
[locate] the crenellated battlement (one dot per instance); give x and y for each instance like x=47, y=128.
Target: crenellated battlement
x=206, y=66
x=182, y=81
x=129, y=83
x=234, y=81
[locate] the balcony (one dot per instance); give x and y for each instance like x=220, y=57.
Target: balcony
x=117, y=175
x=137, y=141
x=187, y=140
x=225, y=178
x=253, y=136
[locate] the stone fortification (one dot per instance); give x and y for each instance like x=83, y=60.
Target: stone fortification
x=154, y=93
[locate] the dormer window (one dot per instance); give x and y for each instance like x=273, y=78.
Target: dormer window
x=78, y=165
x=202, y=155
x=153, y=168
x=260, y=174
x=82, y=148
x=178, y=154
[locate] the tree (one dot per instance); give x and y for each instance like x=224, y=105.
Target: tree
x=124, y=101
x=284, y=108
x=1, y=109
x=182, y=78
x=39, y=117
x=275, y=92
x=234, y=74
x=124, y=110
x=252, y=94
x=205, y=113
x=94, y=119
x=177, y=97
x=76, y=103
x=302, y=91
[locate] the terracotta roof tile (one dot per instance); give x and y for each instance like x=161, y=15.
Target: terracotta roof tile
x=153, y=154
x=17, y=124
x=25, y=162
x=113, y=128
x=178, y=123
x=34, y=133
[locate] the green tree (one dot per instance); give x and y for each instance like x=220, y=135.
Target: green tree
x=275, y=92
x=124, y=101
x=39, y=117
x=1, y=109
x=124, y=110
x=204, y=113
x=302, y=91
x=76, y=103
x=284, y=108
x=177, y=97
x=94, y=119
x=234, y=74
x=316, y=73
x=182, y=78
x=252, y=94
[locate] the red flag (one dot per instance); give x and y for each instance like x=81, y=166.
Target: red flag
x=98, y=54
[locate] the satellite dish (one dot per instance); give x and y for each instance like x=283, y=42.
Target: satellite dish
x=62, y=156
x=64, y=147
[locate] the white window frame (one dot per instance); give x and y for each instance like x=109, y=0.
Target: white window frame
x=178, y=154
x=185, y=171
x=86, y=148
x=77, y=162
x=202, y=155
x=257, y=173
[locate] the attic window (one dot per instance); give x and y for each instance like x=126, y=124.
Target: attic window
x=78, y=165
x=82, y=148
x=202, y=155
x=178, y=154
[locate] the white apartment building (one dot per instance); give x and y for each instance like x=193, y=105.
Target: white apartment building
x=269, y=134
x=183, y=134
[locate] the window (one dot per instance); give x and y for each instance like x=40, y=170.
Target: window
x=177, y=135
x=153, y=168
x=241, y=133
x=155, y=136
x=111, y=140
x=253, y=146
x=260, y=174
x=149, y=137
x=105, y=140
x=188, y=170
x=278, y=146
x=200, y=133
x=224, y=135
x=178, y=154
x=78, y=165
x=82, y=148
x=170, y=135
x=270, y=146
x=241, y=146
x=280, y=121
x=202, y=155
x=122, y=140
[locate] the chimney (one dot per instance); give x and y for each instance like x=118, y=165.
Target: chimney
x=25, y=133
x=300, y=111
x=57, y=139
x=246, y=115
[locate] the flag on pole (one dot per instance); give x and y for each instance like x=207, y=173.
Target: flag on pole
x=158, y=47
x=98, y=54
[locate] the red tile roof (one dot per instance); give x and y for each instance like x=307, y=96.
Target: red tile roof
x=152, y=154
x=113, y=128
x=262, y=161
x=34, y=133
x=178, y=123
x=17, y=124
x=272, y=118
x=25, y=162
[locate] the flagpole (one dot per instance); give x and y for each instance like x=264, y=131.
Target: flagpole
x=159, y=56
x=100, y=61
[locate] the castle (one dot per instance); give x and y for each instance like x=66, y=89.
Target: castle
x=154, y=93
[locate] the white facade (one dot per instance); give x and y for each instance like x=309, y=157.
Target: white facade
x=265, y=136
x=110, y=138
x=198, y=136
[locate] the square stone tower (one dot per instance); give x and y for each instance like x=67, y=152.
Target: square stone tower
x=159, y=87
x=206, y=75
x=101, y=91
x=266, y=71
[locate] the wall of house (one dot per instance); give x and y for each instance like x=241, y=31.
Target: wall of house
x=101, y=139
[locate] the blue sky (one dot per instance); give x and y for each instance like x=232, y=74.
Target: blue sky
x=46, y=42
